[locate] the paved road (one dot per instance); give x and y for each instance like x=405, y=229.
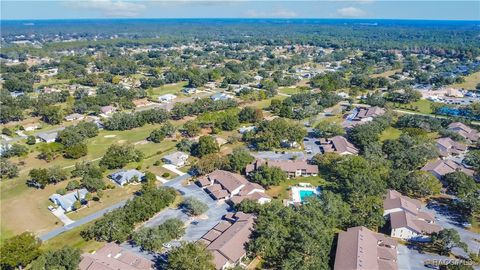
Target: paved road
x=80, y=222
x=49, y=235
x=411, y=259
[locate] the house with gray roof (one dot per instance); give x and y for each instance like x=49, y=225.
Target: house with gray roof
x=47, y=137
x=124, y=177
x=220, y=96
x=66, y=201
x=74, y=116
x=176, y=158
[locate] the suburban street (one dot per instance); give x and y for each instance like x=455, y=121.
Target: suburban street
x=98, y=214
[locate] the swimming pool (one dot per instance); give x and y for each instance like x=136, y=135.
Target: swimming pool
x=300, y=194
x=304, y=194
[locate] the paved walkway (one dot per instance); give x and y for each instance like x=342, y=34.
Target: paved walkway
x=60, y=214
x=173, y=168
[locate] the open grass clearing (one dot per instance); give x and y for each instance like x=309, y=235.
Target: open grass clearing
x=72, y=238
x=390, y=133
x=470, y=83
x=166, y=89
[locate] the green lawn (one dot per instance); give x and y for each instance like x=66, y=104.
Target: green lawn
x=471, y=81
x=289, y=90
x=166, y=89
x=390, y=133
x=72, y=238
x=281, y=191
x=422, y=106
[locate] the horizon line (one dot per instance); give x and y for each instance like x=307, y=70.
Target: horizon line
x=244, y=18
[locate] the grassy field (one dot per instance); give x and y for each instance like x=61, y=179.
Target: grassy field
x=282, y=191
x=471, y=81
x=73, y=239
x=289, y=90
x=25, y=209
x=385, y=74
x=422, y=106
x=166, y=89
x=390, y=133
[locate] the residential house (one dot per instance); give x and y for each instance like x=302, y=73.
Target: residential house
x=74, y=116
x=228, y=238
x=220, y=96
x=107, y=110
x=189, y=90
x=177, y=158
x=223, y=185
x=141, y=102
x=447, y=147
x=293, y=168
x=245, y=129
x=439, y=168
x=361, y=249
x=66, y=201
x=407, y=221
x=468, y=133
x=167, y=98
x=47, y=137
x=339, y=145
x=123, y=177
x=30, y=127
x=367, y=114
x=114, y=257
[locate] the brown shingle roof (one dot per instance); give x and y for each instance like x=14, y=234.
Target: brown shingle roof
x=113, y=257
x=359, y=248
x=442, y=167
x=405, y=219
x=338, y=144
x=230, y=245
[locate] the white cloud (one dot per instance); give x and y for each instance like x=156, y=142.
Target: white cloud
x=351, y=12
x=279, y=13
x=112, y=8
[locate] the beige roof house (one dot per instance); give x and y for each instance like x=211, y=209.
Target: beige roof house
x=360, y=248
x=228, y=238
x=439, y=168
x=447, y=146
x=407, y=221
x=226, y=185
x=339, y=145
x=293, y=168
x=113, y=257
x=368, y=113
x=465, y=131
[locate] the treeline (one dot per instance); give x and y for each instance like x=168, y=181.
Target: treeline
x=303, y=105
x=119, y=224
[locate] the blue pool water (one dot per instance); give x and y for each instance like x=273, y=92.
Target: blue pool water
x=304, y=194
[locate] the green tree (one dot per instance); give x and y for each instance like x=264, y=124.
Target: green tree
x=239, y=159
x=472, y=158
x=209, y=163
x=157, y=136
x=19, y=251
x=268, y=176
x=66, y=258
x=206, y=145
x=191, y=128
x=194, y=207
x=31, y=140
x=447, y=239
x=460, y=184
x=76, y=151
x=327, y=129
x=190, y=256
x=8, y=169
x=118, y=156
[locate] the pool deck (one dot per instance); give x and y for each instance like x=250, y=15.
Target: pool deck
x=295, y=192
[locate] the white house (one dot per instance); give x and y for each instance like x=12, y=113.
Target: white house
x=30, y=127
x=220, y=96
x=124, y=177
x=66, y=201
x=177, y=158
x=47, y=137
x=167, y=98
x=189, y=90
x=74, y=116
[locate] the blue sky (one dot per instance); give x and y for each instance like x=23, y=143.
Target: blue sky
x=381, y=9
